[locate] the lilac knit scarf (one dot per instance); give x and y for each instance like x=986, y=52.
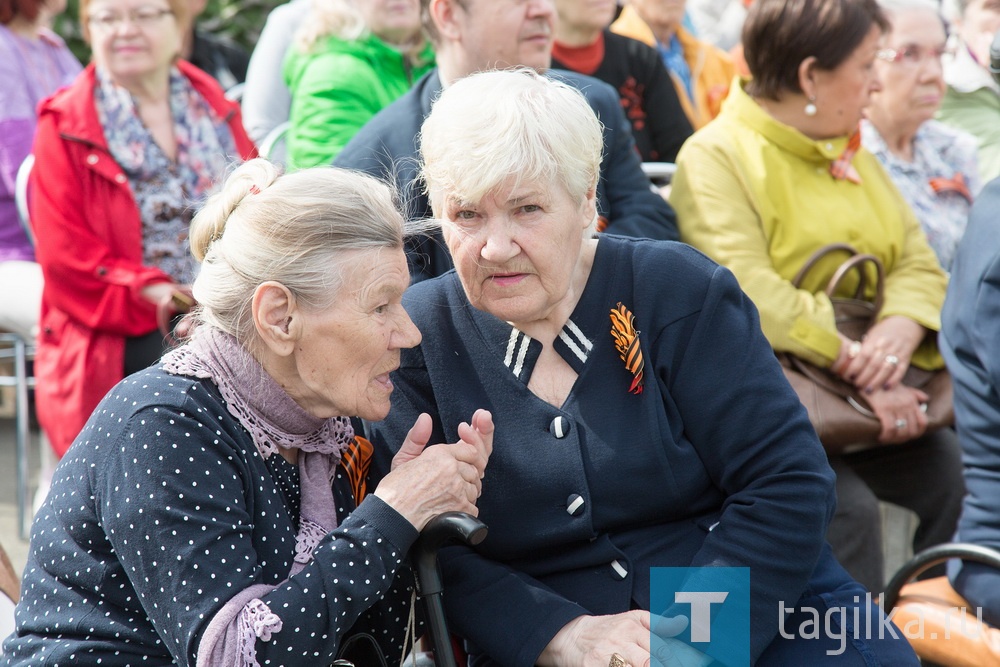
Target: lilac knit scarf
x=275, y=421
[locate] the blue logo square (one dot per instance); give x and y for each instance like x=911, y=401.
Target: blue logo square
x=701, y=616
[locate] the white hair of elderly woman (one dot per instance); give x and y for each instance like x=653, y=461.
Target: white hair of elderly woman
x=891, y=7
x=499, y=129
x=264, y=225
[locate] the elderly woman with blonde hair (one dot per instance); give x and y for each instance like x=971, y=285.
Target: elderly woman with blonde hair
x=348, y=61
x=218, y=508
x=642, y=419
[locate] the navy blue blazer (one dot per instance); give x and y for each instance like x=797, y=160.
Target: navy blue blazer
x=387, y=147
x=713, y=463
x=970, y=344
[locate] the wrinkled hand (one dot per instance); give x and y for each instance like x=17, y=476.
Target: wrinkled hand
x=869, y=366
x=427, y=481
x=590, y=641
x=895, y=406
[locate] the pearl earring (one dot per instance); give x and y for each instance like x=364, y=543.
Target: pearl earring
x=810, y=109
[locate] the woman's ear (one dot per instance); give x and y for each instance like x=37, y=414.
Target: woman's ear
x=807, y=77
x=442, y=13
x=590, y=207
x=276, y=317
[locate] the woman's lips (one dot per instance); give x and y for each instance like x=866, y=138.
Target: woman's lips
x=385, y=381
x=507, y=279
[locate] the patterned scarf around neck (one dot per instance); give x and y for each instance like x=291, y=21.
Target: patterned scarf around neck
x=275, y=421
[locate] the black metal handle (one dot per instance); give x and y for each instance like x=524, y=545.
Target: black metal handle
x=928, y=558
x=442, y=529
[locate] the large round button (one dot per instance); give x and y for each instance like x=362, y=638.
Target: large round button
x=119, y=178
x=559, y=427
x=92, y=158
x=574, y=505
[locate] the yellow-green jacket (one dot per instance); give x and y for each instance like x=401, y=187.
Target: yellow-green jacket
x=757, y=196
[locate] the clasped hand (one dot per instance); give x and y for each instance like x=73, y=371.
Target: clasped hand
x=640, y=638
x=880, y=359
x=427, y=481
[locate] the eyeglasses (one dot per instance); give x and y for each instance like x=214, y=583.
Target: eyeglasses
x=913, y=55
x=143, y=17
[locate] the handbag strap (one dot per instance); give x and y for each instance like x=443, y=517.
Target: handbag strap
x=857, y=263
x=818, y=255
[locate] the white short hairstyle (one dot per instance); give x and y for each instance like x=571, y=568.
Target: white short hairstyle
x=893, y=7
x=290, y=228
x=506, y=128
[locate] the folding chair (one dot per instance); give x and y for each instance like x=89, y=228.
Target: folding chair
x=273, y=146
x=14, y=347
x=939, y=624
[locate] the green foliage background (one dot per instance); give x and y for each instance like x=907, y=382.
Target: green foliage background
x=240, y=20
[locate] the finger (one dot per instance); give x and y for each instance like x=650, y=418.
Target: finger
x=880, y=373
x=415, y=440
x=482, y=420
x=895, y=377
x=469, y=473
x=888, y=432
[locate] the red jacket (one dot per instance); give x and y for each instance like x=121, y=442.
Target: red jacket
x=89, y=244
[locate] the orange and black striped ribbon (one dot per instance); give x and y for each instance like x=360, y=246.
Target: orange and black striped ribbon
x=627, y=343
x=956, y=183
x=841, y=168
x=356, y=460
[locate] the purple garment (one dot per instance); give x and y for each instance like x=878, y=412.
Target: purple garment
x=30, y=71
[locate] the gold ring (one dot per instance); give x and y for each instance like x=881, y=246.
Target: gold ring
x=617, y=661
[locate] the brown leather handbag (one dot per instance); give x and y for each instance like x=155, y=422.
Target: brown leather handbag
x=839, y=413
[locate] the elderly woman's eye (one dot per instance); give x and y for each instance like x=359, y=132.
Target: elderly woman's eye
x=382, y=310
x=465, y=215
x=531, y=208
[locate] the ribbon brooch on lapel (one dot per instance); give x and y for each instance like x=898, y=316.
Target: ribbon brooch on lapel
x=627, y=343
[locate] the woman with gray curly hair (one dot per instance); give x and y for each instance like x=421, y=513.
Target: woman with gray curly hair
x=215, y=508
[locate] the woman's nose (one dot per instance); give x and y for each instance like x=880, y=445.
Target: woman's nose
x=499, y=246
x=408, y=334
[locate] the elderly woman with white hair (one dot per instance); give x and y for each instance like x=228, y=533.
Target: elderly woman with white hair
x=642, y=420
x=217, y=509
x=933, y=165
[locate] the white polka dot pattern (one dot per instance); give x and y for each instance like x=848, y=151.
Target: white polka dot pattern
x=162, y=511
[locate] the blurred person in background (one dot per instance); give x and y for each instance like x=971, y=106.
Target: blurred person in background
x=972, y=100
x=350, y=59
x=702, y=73
x=933, y=165
x=718, y=22
x=124, y=157
x=34, y=63
x=266, y=99
x=584, y=44
x=221, y=57
x=782, y=173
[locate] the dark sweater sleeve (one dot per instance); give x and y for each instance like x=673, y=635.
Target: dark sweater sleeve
x=179, y=502
x=669, y=126
x=756, y=442
x=633, y=209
